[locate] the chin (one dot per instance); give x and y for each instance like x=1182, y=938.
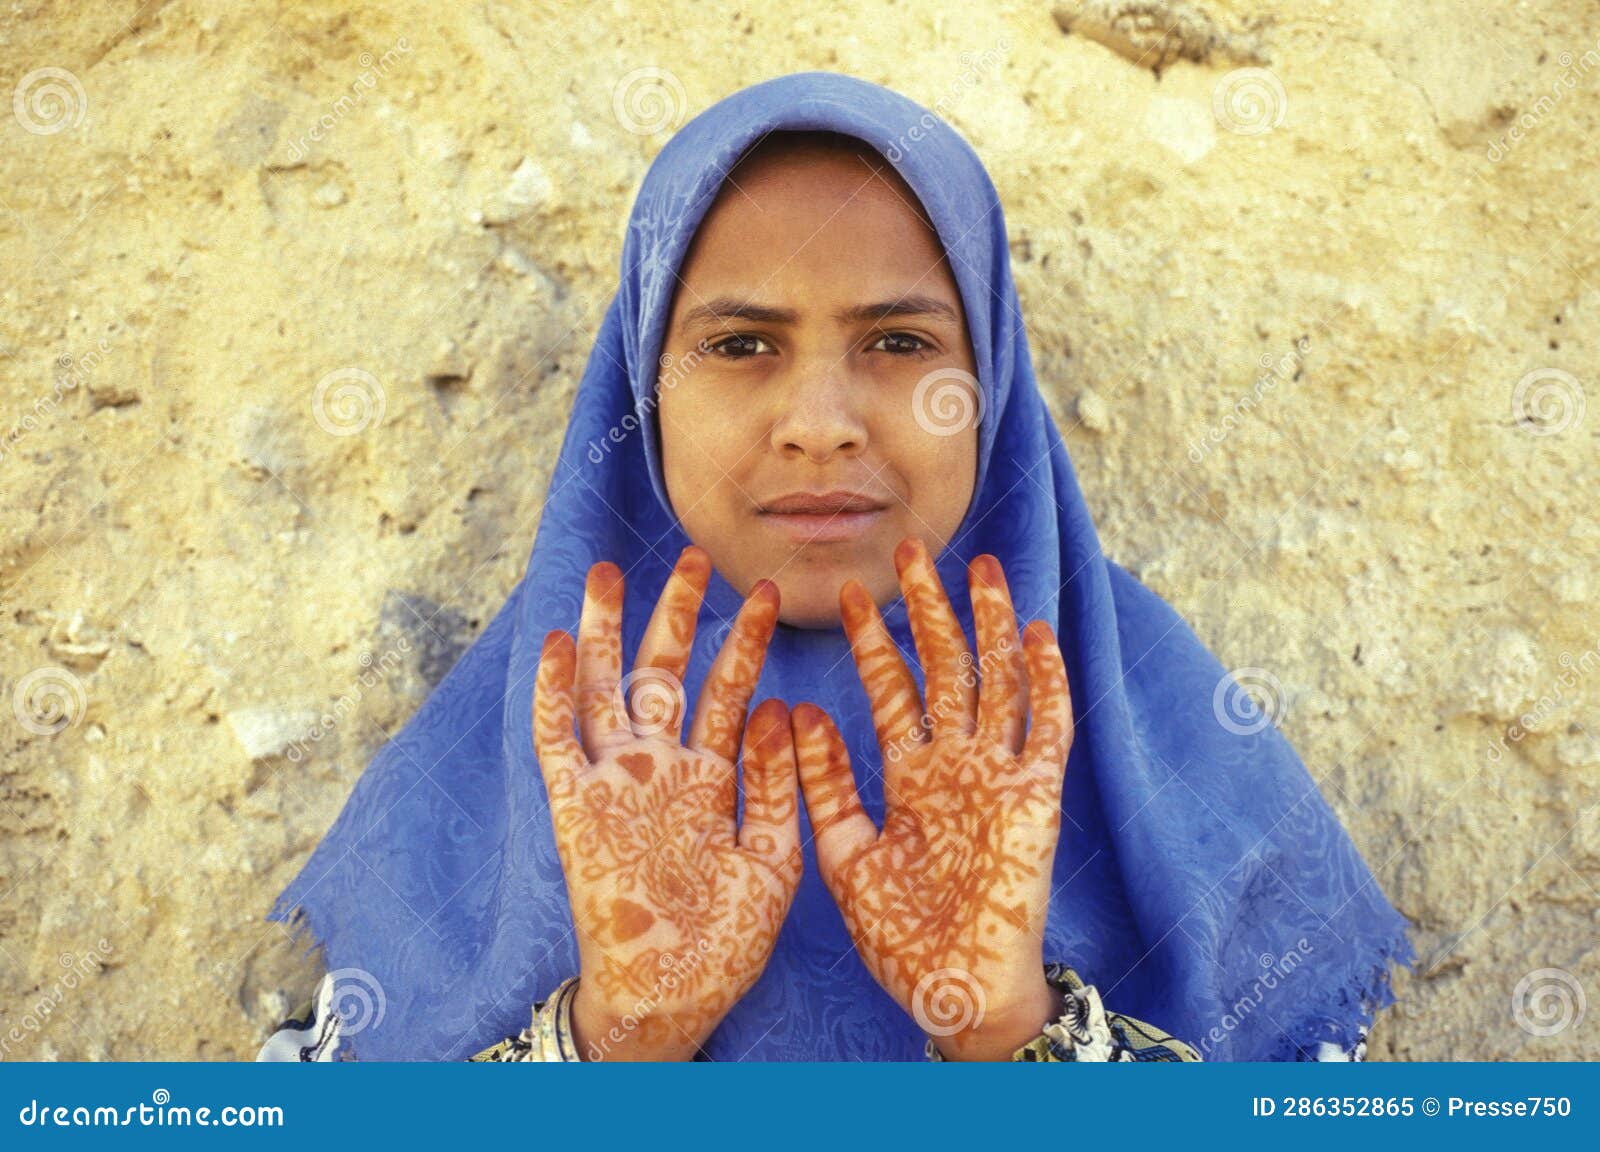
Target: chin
x=807, y=617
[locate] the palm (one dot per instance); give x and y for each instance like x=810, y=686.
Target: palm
x=946, y=904
x=952, y=879
x=676, y=904
x=659, y=882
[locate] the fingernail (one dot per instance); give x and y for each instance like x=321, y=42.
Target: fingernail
x=694, y=561
x=987, y=569
x=604, y=579
x=853, y=598
x=776, y=720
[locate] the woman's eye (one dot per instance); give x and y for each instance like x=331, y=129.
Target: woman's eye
x=739, y=347
x=904, y=344
x=744, y=345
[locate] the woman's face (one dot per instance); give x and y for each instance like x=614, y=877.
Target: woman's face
x=818, y=346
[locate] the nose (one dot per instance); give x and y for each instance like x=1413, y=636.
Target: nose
x=820, y=416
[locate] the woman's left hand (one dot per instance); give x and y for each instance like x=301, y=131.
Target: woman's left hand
x=947, y=903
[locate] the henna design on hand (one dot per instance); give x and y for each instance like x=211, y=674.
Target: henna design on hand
x=677, y=909
x=947, y=903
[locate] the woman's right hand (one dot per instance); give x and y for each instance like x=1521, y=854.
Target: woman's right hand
x=676, y=904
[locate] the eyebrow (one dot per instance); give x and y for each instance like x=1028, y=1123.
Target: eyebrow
x=724, y=308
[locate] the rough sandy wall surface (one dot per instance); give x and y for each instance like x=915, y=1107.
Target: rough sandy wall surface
x=296, y=299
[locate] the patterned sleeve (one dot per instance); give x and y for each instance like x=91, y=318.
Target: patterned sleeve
x=1086, y=1031
x=313, y=1032
x=547, y=1038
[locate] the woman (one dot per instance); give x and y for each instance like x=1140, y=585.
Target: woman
x=810, y=421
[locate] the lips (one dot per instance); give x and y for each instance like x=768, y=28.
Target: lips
x=823, y=503
x=823, y=517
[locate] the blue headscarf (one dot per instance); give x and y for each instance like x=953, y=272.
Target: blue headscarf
x=1201, y=881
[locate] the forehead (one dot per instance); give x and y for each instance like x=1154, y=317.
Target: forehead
x=818, y=216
